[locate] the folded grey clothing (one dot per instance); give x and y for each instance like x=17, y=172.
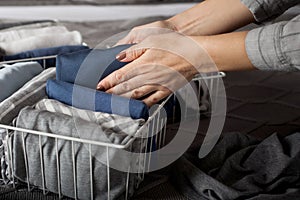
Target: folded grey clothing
x=41, y=41
x=28, y=95
x=61, y=124
x=13, y=77
x=11, y=35
x=241, y=167
x=108, y=122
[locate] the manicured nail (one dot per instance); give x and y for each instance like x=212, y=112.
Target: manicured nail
x=121, y=56
x=100, y=87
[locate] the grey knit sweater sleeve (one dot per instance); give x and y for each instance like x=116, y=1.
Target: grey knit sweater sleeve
x=276, y=46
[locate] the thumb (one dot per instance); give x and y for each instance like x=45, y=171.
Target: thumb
x=131, y=54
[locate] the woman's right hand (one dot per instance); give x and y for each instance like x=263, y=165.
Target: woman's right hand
x=139, y=33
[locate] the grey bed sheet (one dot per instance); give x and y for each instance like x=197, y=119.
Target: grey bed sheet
x=61, y=124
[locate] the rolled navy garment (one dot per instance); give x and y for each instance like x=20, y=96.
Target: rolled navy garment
x=90, y=99
x=46, y=52
x=13, y=77
x=41, y=41
x=88, y=67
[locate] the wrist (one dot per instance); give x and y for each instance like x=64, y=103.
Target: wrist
x=171, y=24
x=226, y=51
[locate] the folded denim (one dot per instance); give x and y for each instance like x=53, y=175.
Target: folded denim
x=83, y=68
x=32, y=92
x=87, y=67
x=41, y=41
x=90, y=99
x=26, y=24
x=13, y=77
x=12, y=35
x=46, y=52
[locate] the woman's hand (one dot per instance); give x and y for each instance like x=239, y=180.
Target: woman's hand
x=160, y=65
x=139, y=33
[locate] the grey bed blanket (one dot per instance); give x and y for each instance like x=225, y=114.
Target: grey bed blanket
x=70, y=126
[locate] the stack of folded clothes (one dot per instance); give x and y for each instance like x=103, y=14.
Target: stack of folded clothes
x=25, y=41
x=70, y=106
x=60, y=98
x=23, y=83
x=30, y=37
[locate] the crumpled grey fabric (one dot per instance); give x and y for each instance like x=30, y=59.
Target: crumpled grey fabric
x=70, y=126
x=241, y=167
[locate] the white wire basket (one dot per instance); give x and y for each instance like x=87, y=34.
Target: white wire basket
x=155, y=125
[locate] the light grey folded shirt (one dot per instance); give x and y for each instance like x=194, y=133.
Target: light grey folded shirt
x=13, y=77
x=275, y=46
x=11, y=35
x=28, y=95
x=41, y=41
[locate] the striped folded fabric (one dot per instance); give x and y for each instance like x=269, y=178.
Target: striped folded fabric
x=115, y=123
x=32, y=92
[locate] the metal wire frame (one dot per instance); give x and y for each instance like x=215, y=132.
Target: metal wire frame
x=155, y=127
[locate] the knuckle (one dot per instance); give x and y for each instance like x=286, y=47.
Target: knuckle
x=154, y=100
x=126, y=86
x=136, y=93
x=119, y=75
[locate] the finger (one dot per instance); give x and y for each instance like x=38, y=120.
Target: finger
x=131, y=54
x=140, y=92
x=121, y=88
x=111, y=80
x=156, y=97
x=127, y=86
x=129, y=71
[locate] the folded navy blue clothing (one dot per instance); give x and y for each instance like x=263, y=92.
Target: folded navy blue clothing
x=46, y=52
x=88, y=67
x=90, y=99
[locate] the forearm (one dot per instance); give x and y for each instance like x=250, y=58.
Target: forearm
x=212, y=17
x=227, y=51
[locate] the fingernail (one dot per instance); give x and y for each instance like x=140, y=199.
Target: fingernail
x=121, y=56
x=100, y=87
